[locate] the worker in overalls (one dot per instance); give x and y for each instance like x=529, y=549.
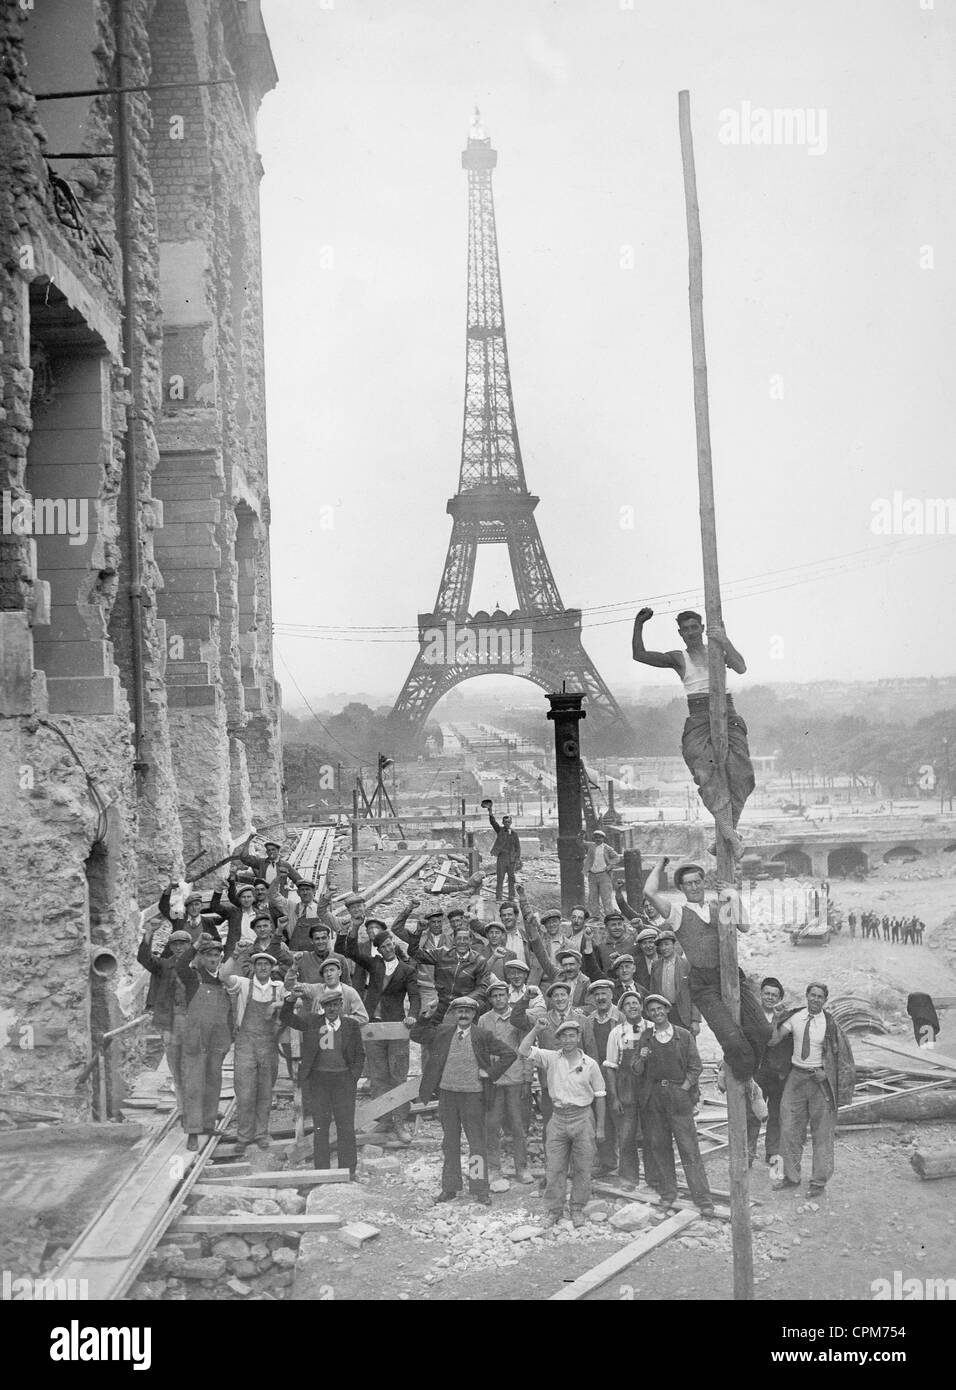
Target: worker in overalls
x=256, y=1001
x=207, y=1039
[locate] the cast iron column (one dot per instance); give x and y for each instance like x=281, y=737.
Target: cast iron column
x=566, y=711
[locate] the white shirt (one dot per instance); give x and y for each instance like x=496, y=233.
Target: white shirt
x=618, y=1036
x=674, y=916
x=796, y=1024
x=664, y=1035
x=599, y=863
x=246, y=933
x=696, y=672
x=574, y=1081
x=390, y=966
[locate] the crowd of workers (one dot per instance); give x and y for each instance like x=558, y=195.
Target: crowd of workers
x=589, y=1022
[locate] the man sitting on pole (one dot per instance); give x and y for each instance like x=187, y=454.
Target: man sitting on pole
x=692, y=667
x=696, y=925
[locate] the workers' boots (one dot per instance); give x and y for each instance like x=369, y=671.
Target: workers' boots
x=402, y=1132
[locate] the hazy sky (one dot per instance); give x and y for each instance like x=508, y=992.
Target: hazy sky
x=828, y=275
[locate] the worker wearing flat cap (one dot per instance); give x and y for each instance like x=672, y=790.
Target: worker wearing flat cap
x=196, y=922
x=668, y=1067
x=207, y=1036
x=167, y=998
x=569, y=970
x=601, y=1018
x=333, y=1056
x=622, y=1089
x=645, y=956
x=462, y=1063
x=576, y=1086
x=670, y=976
x=256, y=1004
x=458, y=970
x=623, y=974
x=437, y=934
x=560, y=1010
x=619, y=939
x=546, y=935
x=270, y=866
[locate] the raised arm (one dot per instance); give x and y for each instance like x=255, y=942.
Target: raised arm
x=652, y=888
x=640, y=653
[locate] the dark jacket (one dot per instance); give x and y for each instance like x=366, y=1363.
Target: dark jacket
x=454, y=976
x=312, y=1026
x=258, y=863
x=386, y=994
x=838, y=1060
x=210, y=919
x=684, y=1011
x=686, y=1051
x=506, y=842
x=492, y=1055
x=162, y=986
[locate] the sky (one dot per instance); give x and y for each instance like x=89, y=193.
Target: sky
x=829, y=298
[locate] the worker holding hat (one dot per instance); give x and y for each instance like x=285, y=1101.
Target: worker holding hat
x=268, y=866
x=167, y=998
x=207, y=1036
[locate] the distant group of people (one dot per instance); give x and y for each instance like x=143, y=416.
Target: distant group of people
x=907, y=930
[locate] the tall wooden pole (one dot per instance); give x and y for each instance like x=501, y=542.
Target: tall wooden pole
x=729, y=973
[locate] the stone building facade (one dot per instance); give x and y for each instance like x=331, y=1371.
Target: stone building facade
x=140, y=712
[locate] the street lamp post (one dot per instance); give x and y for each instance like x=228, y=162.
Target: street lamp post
x=541, y=801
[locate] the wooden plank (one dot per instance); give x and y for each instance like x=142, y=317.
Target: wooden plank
x=934, y=1060
x=650, y=1197
x=286, y=1177
x=443, y=872
x=375, y=1109
x=245, y=1221
x=646, y=1241
x=384, y=1032
x=112, y=1249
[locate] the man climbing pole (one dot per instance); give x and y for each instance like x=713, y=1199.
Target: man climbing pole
x=696, y=744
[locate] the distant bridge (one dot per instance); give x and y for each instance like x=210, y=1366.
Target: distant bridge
x=835, y=854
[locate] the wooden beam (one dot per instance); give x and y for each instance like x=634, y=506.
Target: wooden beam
x=729, y=976
x=627, y=1255
x=286, y=1177
x=384, y=1032
x=391, y=1100
x=936, y=1061
x=600, y=1189
x=246, y=1221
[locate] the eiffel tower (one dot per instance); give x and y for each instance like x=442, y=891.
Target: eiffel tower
x=541, y=639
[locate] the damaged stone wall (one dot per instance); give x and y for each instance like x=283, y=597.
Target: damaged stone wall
x=88, y=837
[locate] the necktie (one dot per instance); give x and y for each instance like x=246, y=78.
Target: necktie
x=805, y=1045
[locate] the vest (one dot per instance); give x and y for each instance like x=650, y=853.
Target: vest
x=700, y=942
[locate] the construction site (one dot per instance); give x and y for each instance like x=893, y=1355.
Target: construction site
x=253, y=997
